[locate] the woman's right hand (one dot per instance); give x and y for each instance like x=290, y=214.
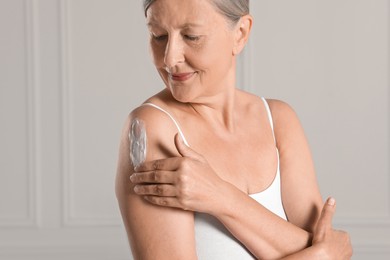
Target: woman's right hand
x=187, y=182
x=332, y=244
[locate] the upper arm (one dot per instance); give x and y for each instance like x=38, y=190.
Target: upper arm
x=300, y=193
x=154, y=232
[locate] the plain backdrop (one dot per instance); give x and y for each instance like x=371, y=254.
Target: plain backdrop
x=71, y=71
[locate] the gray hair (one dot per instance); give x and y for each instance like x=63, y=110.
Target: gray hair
x=232, y=10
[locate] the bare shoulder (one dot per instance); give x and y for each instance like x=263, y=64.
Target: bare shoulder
x=281, y=110
x=150, y=112
x=285, y=120
x=160, y=127
x=159, y=134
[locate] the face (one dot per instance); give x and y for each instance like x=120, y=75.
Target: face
x=192, y=48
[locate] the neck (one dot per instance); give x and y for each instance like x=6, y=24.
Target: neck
x=218, y=110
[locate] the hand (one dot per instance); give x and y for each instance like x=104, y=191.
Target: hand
x=334, y=244
x=186, y=182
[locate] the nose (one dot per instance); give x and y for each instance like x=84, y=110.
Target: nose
x=174, y=52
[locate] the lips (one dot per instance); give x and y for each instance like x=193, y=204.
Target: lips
x=181, y=76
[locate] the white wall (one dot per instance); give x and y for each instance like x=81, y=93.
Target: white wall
x=71, y=70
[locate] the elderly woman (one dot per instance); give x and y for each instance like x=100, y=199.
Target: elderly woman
x=227, y=175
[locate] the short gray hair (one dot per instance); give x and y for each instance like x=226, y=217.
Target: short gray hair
x=232, y=10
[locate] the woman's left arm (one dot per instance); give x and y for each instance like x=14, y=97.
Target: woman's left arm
x=301, y=197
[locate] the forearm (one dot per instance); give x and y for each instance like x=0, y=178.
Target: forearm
x=310, y=253
x=262, y=232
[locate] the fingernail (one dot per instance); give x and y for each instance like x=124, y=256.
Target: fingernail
x=136, y=188
x=331, y=201
x=132, y=177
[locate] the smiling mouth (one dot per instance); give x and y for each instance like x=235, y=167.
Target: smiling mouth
x=181, y=76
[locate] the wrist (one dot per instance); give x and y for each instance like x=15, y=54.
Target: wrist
x=320, y=251
x=228, y=201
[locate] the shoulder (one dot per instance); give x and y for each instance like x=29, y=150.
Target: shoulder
x=159, y=135
x=151, y=116
x=149, y=113
x=282, y=112
x=159, y=127
x=155, y=110
x=286, y=122
x=280, y=109
x=161, y=116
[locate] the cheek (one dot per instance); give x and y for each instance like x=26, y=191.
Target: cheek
x=215, y=56
x=201, y=56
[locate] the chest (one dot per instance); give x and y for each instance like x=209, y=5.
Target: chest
x=250, y=163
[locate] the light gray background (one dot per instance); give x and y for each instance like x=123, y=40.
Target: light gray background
x=71, y=70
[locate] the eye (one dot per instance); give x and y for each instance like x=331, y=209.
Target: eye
x=191, y=37
x=159, y=38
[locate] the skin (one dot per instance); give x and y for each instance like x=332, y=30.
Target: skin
x=194, y=52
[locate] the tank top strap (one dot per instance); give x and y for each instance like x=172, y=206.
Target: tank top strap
x=170, y=116
x=269, y=116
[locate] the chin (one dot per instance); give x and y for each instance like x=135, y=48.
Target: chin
x=182, y=96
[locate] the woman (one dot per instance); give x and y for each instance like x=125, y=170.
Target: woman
x=240, y=162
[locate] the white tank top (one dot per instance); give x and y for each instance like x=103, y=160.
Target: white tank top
x=213, y=240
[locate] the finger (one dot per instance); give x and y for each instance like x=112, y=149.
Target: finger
x=166, y=177
x=184, y=149
x=325, y=220
x=168, y=164
x=160, y=190
x=164, y=201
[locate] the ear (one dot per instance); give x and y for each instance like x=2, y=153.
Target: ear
x=243, y=29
